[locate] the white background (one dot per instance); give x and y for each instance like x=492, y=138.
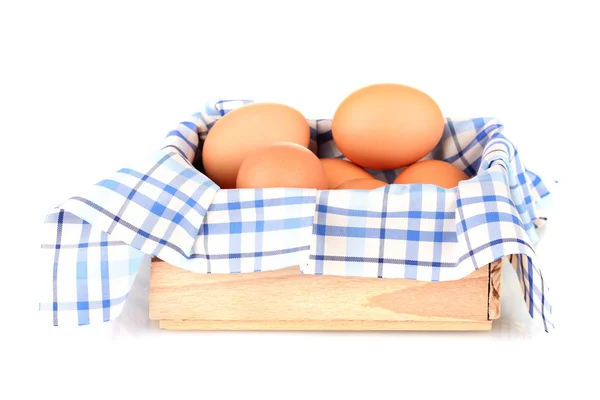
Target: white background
x=83, y=88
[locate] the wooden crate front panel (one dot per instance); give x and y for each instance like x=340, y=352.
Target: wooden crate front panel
x=287, y=300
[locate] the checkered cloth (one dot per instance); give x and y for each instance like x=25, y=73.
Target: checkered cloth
x=164, y=206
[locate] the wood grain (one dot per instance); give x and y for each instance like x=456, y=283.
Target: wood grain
x=288, y=300
x=495, y=281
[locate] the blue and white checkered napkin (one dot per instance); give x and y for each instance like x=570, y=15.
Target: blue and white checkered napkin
x=163, y=206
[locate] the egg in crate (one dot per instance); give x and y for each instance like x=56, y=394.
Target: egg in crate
x=246, y=129
x=362, y=184
x=339, y=171
x=387, y=126
x=282, y=164
x=434, y=172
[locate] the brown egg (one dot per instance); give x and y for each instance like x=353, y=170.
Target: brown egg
x=339, y=171
x=282, y=165
x=366, y=184
x=387, y=126
x=434, y=172
x=246, y=129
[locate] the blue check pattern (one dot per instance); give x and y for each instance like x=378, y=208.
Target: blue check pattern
x=163, y=206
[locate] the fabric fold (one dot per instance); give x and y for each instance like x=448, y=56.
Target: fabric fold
x=87, y=274
x=497, y=217
x=253, y=230
x=157, y=205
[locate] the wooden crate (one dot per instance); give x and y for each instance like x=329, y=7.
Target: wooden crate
x=288, y=300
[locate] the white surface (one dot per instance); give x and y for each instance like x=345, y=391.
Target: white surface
x=83, y=88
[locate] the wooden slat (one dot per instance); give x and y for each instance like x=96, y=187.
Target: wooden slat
x=287, y=300
x=335, y=325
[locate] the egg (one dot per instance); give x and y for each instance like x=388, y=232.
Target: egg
x=387, y=126
x=339, y=171
x=246, y=129
x=433, y=172
x=364, y=184
x=282, y=165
